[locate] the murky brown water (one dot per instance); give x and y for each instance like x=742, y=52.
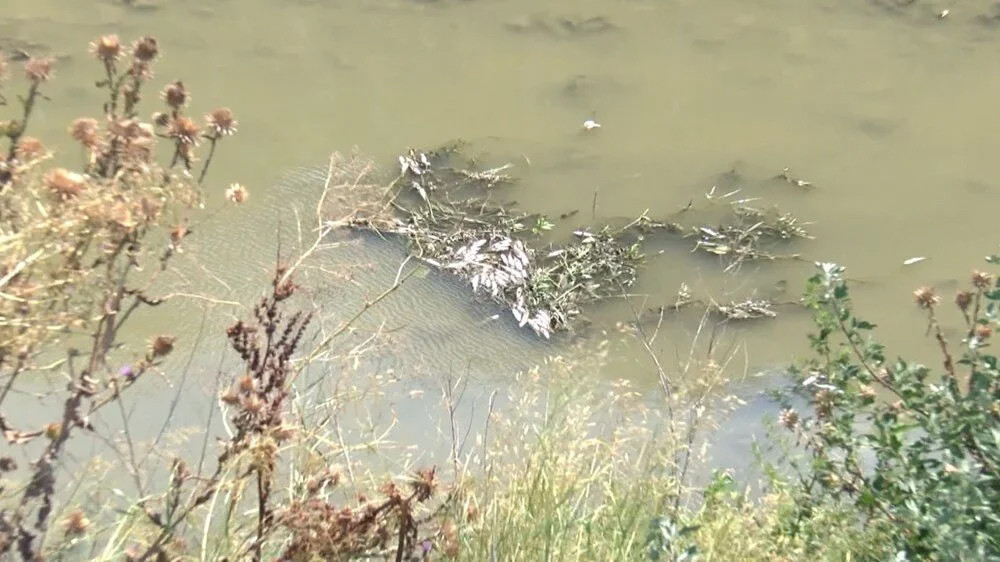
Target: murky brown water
x=888, y=109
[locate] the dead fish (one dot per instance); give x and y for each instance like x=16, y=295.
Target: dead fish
x=19, y=50
x=561, y=26
x=520, y=314
x=501, y=245
x=139, y=6
x=597, y=24
x=797, y=182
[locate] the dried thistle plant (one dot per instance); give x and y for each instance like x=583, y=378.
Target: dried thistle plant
x=307, y=523
x=80, y=251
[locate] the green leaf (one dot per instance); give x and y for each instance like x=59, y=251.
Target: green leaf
x=688, y=530
x=840, y=292
x=866, y=499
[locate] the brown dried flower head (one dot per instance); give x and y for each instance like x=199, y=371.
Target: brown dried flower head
x=391, y=492
x=85, y=131
x=471, y=512
x=10, y=128
x=981, y=280
x=106, y=48
x=176, y=95
x=285, y=289
x=334, y=475
x=145, y=50
x=178, y=232
x=29, y=148
x=246, y=384
x=237, y=193
x=315, y=484
x=76, y=523
x=38, y=69
x=963, y=299
x=262, y=455
x=180, y=471
x=65, y=183
x=161, y=346
x=283, y=433
x=53, y=430
x=425, y=484
x=230, y=398
x=866, y=392
x=184, y=130
x=823, y=401
x=222, y=121
x=788, y=418
x=253, y=404
x=926, y=298
x=161, y=119
x=983, y=332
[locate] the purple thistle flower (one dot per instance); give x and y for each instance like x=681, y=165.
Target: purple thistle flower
x=426, y=546
x=126, y=372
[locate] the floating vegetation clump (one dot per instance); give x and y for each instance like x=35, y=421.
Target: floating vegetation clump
x=446, y=213
x=749, y=234
x=445, y=207
x=746, y=309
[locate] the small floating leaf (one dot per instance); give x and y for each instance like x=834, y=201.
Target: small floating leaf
x=914, y=260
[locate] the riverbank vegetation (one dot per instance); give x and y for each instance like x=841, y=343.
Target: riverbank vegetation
x=883, y=458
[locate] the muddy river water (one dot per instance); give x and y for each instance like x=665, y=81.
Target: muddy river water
x=888, y=108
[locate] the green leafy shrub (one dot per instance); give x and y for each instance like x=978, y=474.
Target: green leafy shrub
x=916, y=453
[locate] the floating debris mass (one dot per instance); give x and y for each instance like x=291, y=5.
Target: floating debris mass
x=445, y=210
